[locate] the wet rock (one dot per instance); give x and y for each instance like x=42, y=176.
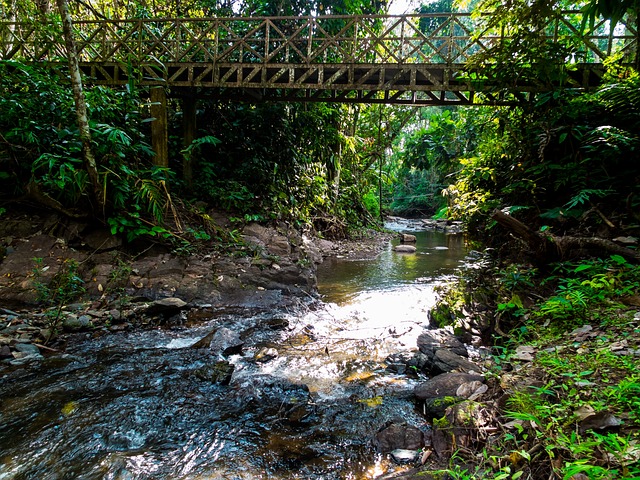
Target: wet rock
x=74, y=323
x=222, y=341
x=441, y=392
x=398, y=436
x=431, y=341
x=406, y=238
x=406, y=363
x=274, y=397
x=404, y=457
x=166, y=306
x=218, y=372
x=404, y=249
x=27, y=348
x=265, y=355
x=277, y=323
x=22, y=358
x=447, y=361
x=5, y=352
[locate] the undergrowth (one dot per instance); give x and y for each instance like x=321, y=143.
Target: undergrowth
x=572, y=410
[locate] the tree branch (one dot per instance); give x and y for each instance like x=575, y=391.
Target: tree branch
x=551, y=247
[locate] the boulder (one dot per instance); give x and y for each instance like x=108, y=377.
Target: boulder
x=223, y=341
x=441, y=392
x=431, y=341
x=444, y=353
x=447, y=361
x=445, y=385
x=405, y=249
x=74, y=323
x=406, y=238
x=267, y=237
x=166, y=306
x=398, y=436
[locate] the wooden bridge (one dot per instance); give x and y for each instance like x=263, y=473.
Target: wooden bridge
x=408, y=59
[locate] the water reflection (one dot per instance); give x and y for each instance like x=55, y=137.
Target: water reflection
x=438, y=254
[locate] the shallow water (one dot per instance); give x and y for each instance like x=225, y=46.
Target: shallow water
x=133, y=406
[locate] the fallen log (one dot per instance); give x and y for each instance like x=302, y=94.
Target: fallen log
x=547, y=247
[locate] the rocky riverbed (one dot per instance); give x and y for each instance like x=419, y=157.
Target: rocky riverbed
x=217, y=317
x=123, y=287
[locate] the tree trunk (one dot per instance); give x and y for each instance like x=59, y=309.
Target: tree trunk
x=81, y=106
x=548, y=248
x=159, y=127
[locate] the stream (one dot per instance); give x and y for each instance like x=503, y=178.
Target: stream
x=307, y=394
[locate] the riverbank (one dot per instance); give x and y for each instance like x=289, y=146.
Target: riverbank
x=60, y=277
x=562, y=382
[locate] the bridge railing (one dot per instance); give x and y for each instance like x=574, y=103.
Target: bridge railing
x=446, y=38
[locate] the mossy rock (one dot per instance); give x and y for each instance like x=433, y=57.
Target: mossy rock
x=436, y=407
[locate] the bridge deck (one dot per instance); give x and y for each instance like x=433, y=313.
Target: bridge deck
x=416, y=59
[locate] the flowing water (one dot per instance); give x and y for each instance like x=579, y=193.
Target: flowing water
x=306, y=397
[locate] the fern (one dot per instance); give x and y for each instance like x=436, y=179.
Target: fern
x=585, y=195
x=152, y=196
x=623, y=99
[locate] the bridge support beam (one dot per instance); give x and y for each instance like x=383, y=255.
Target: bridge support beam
x=189, y=109
x=159, y=127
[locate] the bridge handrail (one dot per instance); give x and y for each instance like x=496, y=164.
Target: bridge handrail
x=432, y=38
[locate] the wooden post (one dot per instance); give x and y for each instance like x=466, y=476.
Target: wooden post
x=189, y=110
x=159, y=127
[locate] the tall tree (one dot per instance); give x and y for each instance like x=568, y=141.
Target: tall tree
x=81, y=106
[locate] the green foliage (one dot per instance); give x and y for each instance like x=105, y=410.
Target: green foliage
x=58, y=290
x=568, y=160
x=64, y=286
x=611, y=9
x=372, y=203
x=189, y=151
x=526, y=53
x=429, y=155
x=417, y=192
